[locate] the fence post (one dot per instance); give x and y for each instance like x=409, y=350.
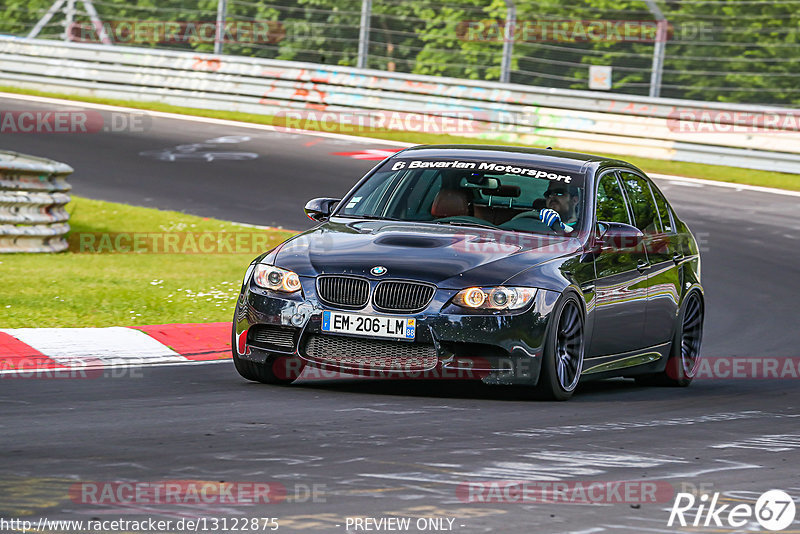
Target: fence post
x=222, y=15
x=508, y=41
x=658, y=49
x=69, y=20
x=55, y=8
x=98, y=24
x=363, y=34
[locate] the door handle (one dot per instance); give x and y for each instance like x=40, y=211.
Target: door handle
x=642, y=266
x=677, y=257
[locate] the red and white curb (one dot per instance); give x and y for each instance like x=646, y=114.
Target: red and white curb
x=28, y=350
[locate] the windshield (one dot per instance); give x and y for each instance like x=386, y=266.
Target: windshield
x=503, y=195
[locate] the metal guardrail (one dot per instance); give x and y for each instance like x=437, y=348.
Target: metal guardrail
x=583, y=121
x=33, y=193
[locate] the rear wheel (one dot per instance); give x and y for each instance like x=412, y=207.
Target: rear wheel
x=277, y=369
x=685, y=351
x=562, y=359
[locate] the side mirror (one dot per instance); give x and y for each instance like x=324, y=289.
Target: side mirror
x=617, y=235
x=320, y=209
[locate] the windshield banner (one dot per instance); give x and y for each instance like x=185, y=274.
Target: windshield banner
x=485, y=167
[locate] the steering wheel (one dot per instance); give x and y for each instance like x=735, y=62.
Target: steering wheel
x=533, y=214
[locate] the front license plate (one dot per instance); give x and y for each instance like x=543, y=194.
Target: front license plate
x=369, y=325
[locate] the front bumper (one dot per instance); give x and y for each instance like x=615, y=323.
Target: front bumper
x=493, y=347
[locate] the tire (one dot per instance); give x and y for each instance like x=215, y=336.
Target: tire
x=277, y=369
x=563, y=354
x=684, y=354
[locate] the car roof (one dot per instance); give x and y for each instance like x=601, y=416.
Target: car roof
x=554, y=159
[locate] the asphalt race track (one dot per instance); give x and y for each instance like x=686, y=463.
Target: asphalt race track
x=376, y=448
x=267, y=190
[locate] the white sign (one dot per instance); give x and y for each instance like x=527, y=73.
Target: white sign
x=600, y=77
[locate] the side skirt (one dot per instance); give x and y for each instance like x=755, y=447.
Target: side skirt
x=641, y=361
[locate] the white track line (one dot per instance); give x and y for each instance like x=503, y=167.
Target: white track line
x=371, y=140
x=729, y=185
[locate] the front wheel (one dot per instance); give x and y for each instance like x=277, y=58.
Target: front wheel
x=685, y=351
x=562, y=359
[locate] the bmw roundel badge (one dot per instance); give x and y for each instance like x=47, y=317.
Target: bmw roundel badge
x=378, y=270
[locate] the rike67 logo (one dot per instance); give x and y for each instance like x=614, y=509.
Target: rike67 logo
x=774, y=510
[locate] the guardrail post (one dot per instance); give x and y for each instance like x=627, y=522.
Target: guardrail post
x=222, y=15
x=658, y=49
x=363, y=34
x=508, y=41
x=33, y=193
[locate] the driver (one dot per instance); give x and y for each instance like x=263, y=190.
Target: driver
x=561, y=202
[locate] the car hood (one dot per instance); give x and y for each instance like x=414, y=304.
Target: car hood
x=448, y=256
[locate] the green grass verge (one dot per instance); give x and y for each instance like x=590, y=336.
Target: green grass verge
x=695, y=170
x=73, y=289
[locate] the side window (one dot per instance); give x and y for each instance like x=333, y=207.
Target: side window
x=663, y=210
x=610, y=202
x=642, y=206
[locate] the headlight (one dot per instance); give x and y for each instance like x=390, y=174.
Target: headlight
x=494, y=298
x=275, y=278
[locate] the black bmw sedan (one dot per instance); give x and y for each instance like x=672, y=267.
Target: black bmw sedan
x=511, y=265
